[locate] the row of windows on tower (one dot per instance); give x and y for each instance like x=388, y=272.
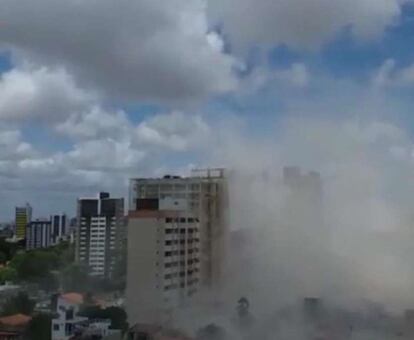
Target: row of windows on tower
x=181, y=220
x=181, y=274
x=181, y=230
x=182, y=263
x=182, y=241
x=182, y=284
x=181, y=252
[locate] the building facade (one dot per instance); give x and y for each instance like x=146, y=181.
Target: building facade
x=23, y=217
x=60, y=228
x=38, y=234
x=99, y=233
x=176, y=232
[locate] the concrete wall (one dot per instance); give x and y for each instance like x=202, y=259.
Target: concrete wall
x=143, y=298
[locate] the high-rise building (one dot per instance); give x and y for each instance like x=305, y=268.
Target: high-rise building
x=39, y=234
x=163, y=260
x=60, y=228
x=22, y=219
x=176, y=233
x=305, y=230
x=99, y=233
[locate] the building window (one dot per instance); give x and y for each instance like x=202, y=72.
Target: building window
x=68, y=329
x=55, y=327
x=69, y=314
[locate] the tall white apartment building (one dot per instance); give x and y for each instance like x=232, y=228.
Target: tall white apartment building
x=176, y=232
x=99, y=233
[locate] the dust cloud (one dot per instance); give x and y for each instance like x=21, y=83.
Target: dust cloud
x=320, y=210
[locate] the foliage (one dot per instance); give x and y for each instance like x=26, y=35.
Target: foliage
x=40, y=327
x=34, y=264
x=38, y=266
x=3, y=257
x=19, y=303
x=8, y=274
x=9, y=249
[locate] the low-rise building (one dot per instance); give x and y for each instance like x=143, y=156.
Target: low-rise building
x=67, y=307
x=96, y=329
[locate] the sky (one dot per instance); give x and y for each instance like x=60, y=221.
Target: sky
x=93, y=92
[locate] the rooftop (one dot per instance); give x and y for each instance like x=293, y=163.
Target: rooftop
x=15, y=320
x=75, y=298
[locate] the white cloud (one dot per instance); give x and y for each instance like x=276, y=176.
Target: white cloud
x=389, y=74
x=140, y=50
x=104, y=155
x=301, y=23
x=41, y=93
x=94, y=123
x=294, y=77
x=176, y=131
x=12, y=146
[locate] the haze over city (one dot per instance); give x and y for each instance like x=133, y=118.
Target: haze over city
x=268, y=145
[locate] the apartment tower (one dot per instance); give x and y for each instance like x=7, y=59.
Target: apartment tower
x=99, y=232
x=22, y=219
x=176, y=233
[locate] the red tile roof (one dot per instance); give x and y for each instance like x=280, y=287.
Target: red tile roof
x=75, y=298
x=15, y=320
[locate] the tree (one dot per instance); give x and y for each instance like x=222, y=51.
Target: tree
x=40, y=327
x=74, y=278
x=18, y=304
x=8, y=274
x=34, y=264
x=9, y=249
x=3, y=257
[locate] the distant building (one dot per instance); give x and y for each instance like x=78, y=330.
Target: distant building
x=99, y=233
x=43, y=233
x=22, y=219
x=176, y=232
x=39, y=234
x=60, y=228
x=305, y=230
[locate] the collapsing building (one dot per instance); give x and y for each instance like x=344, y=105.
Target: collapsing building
x=176, y=232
